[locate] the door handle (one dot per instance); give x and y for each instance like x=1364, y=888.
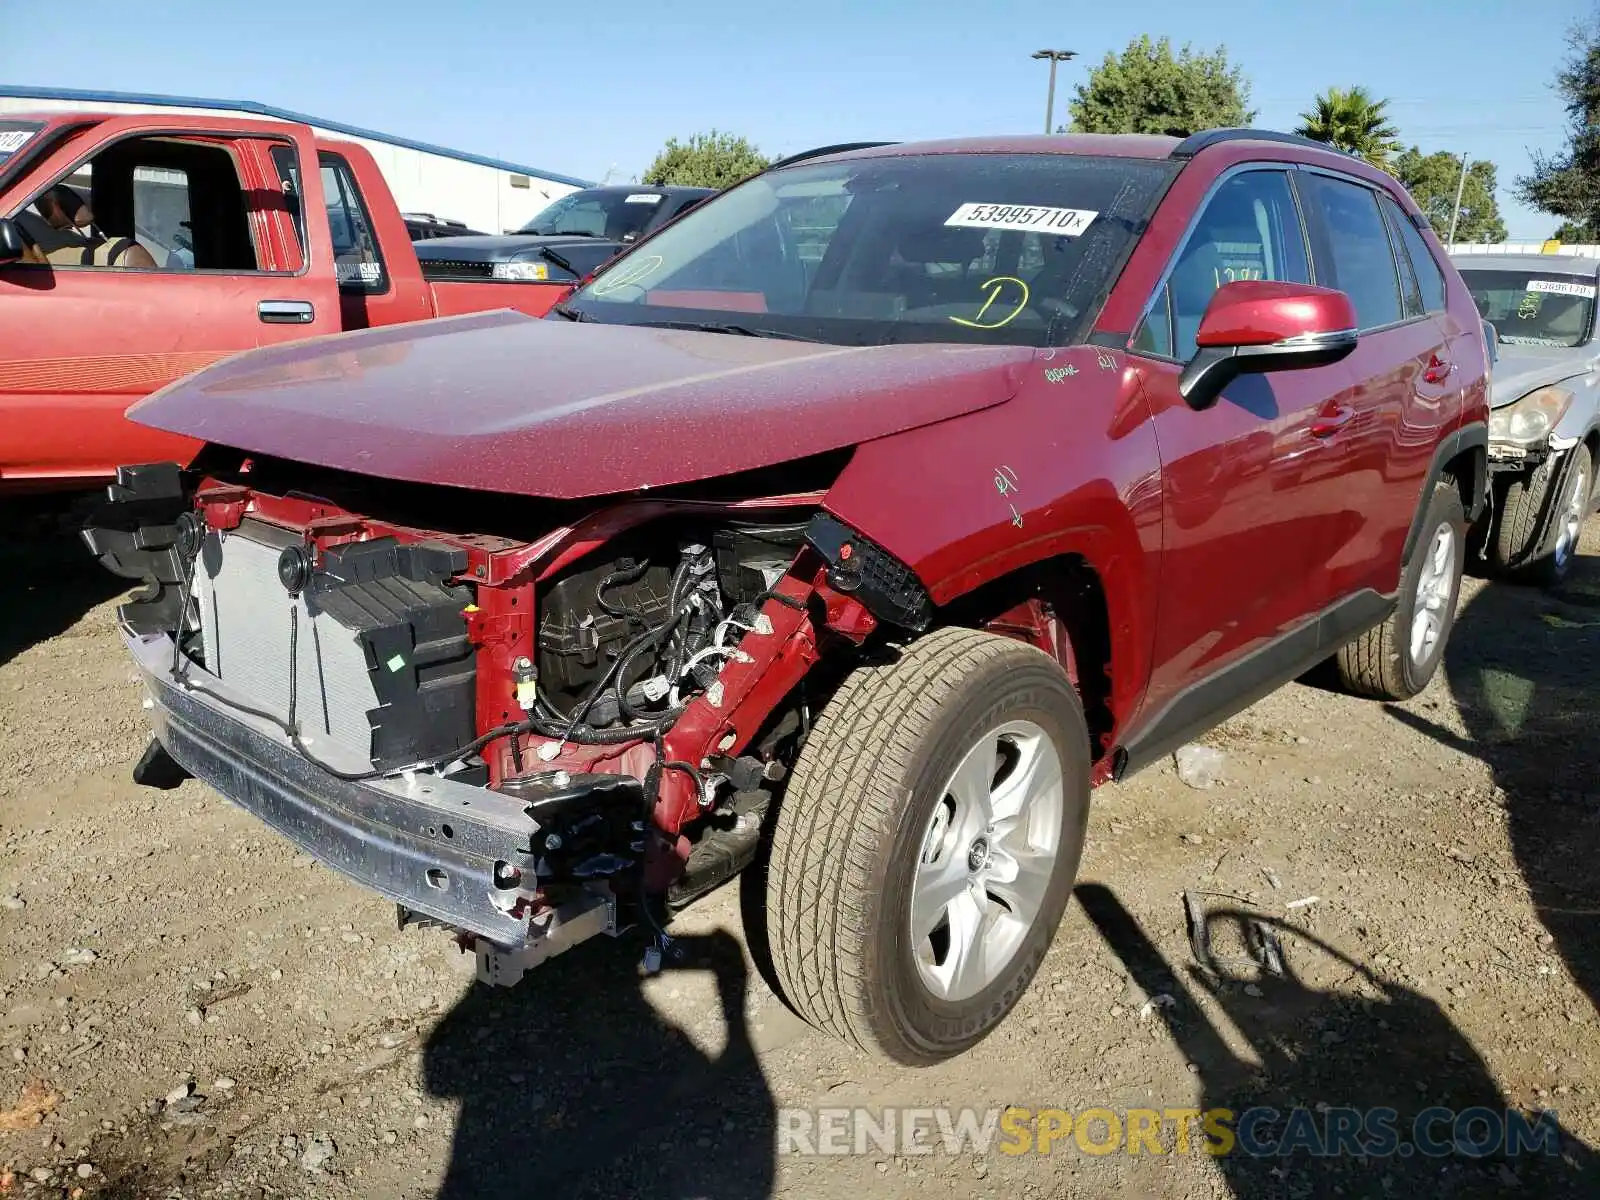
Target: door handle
x=286, y=312
x=1438, y=370
x=1330, y=423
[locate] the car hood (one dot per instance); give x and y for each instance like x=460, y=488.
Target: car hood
x=507, y=403
x=1523, y=369
x=498, y=248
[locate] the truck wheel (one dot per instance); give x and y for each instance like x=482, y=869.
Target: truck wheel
x=927, y=845
x=1396, y=660
x=1537, y=535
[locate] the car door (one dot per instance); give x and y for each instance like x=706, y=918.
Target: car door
x=89, y=341
x=1234, y=615
x=1383, y=427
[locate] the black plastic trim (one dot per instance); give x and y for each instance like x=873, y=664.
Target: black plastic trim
x=837, y=148
x=1206, y=138
x=1210, y=701
x=1469, y=437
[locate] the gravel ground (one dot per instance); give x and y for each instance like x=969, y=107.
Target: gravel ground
x=190, y=1008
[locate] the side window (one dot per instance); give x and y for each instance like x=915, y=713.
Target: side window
x=286, y=163
x=1249, y=229
x=356, y=259
x=1410, y=292
x=1430, y=279
x=161, y=218
x=1362, y=261
x=161, y=203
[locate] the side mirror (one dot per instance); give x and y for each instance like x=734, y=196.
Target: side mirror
x=1258, y=325
x=12, y=247
x=1491, y=339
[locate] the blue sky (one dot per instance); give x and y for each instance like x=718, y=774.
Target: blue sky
x=584, y=91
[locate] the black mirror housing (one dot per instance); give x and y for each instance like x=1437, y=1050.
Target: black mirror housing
x=1213, y=368
x=12, y=247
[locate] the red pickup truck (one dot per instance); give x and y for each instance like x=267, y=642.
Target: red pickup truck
x=250, y=249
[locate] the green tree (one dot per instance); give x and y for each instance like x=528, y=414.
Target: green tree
x=1567, y=184
x=715, y=160
x=1432, y=180
x=1148, y=89
x=1349, y=119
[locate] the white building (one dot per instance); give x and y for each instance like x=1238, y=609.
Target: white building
x=486, y=194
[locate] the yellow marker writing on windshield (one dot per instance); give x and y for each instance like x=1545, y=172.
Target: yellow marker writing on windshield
x=996, y=286
x=626, y=274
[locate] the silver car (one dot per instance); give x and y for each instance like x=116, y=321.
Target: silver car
x=1544, y=431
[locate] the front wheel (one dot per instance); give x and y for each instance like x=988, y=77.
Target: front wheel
x=1541, y=519
x=927, y=844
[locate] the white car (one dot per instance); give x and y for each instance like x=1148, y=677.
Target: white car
x=1544, y=431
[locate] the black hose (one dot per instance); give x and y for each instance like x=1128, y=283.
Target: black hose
x=621, y=575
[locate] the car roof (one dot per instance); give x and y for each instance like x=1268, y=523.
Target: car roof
x=1555, y=264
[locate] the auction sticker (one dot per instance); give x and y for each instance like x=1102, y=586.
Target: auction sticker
x=643, y=198
x=1065, y=222
x=12, y=140
x=1562, y=287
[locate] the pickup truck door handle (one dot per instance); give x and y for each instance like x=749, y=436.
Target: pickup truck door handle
x=1331, y=422
x=1438, y=369
x=286, y=312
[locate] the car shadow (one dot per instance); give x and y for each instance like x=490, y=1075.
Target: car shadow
x=572, y=1084
x=51, y=579
x=1524, y=668
x=1380, y=1051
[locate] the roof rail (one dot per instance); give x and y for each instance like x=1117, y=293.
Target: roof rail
x=839, y=148
x=1196, y=142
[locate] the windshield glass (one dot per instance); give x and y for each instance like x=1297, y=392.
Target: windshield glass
x=1534, y=308
x=14, y=135
x=996, y=248
x=595, y=213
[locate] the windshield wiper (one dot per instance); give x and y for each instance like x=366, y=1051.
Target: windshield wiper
x=720, y=327
x=561, y=261
x=570, y=313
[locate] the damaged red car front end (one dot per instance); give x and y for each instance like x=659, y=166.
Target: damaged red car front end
x=517, y=718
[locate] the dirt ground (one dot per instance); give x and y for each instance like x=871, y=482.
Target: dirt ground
x=201, y=1011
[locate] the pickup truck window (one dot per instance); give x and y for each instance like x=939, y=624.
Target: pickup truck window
x=14, y=135
x=182, y=201
x=357, y=260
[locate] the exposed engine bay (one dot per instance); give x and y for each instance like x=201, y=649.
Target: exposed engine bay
x=527, y=741
x=625, y=641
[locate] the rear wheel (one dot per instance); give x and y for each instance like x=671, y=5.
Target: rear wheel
x=1541, y=518
x=1396, y=660
x=926, y=847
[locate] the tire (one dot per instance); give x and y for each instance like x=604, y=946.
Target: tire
x=872, y=808
x=1540, y=519
x=1386, y=662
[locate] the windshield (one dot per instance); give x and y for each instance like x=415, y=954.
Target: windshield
x=997, y=248
x=14, y=135
x=1534, y=308
x=595, y=213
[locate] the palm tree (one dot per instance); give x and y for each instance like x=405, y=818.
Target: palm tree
x=1352, y=121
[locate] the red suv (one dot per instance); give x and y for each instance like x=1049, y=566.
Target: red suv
x=851, y=528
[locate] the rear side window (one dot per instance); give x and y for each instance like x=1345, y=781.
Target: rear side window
x=356, y=259
x=1249, y=229
x=1430, y=279
x=1362, y=261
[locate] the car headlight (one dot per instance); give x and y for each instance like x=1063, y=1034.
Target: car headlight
x=1530, y=420
x=522, y=272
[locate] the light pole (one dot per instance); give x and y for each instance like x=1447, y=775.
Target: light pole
x=1455, y=213
x=1055, y=56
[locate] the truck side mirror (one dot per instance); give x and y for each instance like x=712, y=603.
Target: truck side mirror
x=12, y=247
